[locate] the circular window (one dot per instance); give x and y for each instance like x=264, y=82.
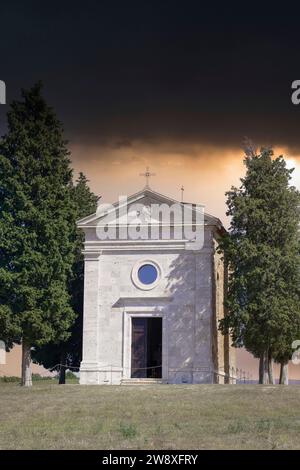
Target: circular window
x=147, y=274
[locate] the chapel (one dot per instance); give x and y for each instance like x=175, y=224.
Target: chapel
x=153, y=294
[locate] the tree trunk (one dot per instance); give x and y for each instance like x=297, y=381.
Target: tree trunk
x=26, y=365
x=62, y=370
x=270, y=370
x=261, y=368
x=264, y=368
x=284, y=374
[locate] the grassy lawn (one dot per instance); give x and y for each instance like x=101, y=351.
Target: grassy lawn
x=51, y=416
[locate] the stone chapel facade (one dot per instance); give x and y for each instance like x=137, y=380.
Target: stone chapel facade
x=152, y=306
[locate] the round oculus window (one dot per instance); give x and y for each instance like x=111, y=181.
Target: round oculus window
x=147, y=274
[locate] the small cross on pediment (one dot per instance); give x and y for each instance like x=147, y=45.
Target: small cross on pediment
x=147, y=175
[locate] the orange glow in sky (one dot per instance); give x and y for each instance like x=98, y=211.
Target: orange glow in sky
x=206, y=172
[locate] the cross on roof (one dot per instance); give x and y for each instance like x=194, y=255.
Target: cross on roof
x=147, y=175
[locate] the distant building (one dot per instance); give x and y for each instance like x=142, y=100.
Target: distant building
x=10, y=362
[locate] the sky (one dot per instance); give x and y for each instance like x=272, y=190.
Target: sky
x=175, y=86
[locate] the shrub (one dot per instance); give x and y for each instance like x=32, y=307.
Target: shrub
x=9, y=379
x=36, y=377
x=70, y=375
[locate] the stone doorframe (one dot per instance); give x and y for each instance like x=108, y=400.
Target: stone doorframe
x=127, y=331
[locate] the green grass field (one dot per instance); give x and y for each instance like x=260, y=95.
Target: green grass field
x=51, y=416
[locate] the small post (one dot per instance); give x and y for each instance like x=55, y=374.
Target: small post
x=2, y=92
x=182, y=192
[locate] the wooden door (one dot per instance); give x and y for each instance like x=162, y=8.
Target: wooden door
x=139, y=348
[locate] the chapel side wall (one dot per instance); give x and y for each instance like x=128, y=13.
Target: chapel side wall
x=220, y=350
x=203, y=359
x=224, y=353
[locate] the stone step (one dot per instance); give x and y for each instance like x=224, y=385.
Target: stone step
x=141, y=381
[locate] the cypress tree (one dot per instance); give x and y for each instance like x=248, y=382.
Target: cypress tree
x=262, y=251
x=36, y=228
x=63, y=354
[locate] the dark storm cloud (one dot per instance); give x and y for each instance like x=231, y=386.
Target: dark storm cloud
x=119, y=71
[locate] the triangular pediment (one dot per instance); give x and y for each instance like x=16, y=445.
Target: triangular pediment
x=137, y=205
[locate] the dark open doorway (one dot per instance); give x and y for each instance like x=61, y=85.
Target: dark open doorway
x=146, y=348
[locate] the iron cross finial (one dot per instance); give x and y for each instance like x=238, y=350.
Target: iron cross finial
x=147, y=175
